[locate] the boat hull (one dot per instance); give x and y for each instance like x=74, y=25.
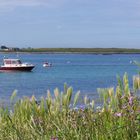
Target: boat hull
x=27, y=68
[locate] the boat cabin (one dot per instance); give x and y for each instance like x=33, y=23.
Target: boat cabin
x=11, y=61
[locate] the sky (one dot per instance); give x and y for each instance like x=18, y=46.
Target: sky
x=70, y=23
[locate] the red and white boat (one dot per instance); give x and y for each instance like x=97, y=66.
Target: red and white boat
x=15, y=65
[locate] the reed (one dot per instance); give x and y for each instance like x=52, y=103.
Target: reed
x=58, y=118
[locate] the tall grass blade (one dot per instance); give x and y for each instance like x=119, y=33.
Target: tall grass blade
x=136, y=83
x=65, y=88
x=14, y=94
x=69, y=95
x=126, y=84
x=76, y=97
x=120, y=85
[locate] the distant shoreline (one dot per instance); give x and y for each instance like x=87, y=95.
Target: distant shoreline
x=65, y=53
x=96, y=51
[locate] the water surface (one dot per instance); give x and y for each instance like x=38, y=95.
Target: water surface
x=84, y=72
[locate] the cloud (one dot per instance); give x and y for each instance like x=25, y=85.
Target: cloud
x=10, y=5
x=14, y=3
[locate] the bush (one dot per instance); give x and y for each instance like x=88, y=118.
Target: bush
x=59, y=118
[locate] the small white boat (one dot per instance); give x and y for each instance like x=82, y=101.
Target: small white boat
x=46, y=64
x=15, y=65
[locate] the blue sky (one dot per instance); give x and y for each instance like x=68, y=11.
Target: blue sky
x=70, y=23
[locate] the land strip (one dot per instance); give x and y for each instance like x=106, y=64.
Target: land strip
x=77, y=50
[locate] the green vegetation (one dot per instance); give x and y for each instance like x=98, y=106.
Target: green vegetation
x=83, y=50
x=76, y=50
x=58, y=118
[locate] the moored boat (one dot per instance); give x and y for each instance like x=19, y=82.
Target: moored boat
x=47, y=64
x=15, y=65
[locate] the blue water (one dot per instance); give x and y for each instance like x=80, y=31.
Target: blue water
x=84, y=72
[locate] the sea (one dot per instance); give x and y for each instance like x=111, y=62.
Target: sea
x=83, y=72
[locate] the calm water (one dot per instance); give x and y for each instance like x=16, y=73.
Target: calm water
x=83, y=72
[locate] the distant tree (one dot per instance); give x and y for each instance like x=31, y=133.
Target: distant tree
x=29, y=48
x=4, y=47
x=15, y=49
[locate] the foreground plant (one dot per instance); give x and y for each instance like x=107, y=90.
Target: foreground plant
x=58, y=118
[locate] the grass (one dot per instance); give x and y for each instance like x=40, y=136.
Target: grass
x=59, y=118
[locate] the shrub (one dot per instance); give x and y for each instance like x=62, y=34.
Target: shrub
x=59, y=118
